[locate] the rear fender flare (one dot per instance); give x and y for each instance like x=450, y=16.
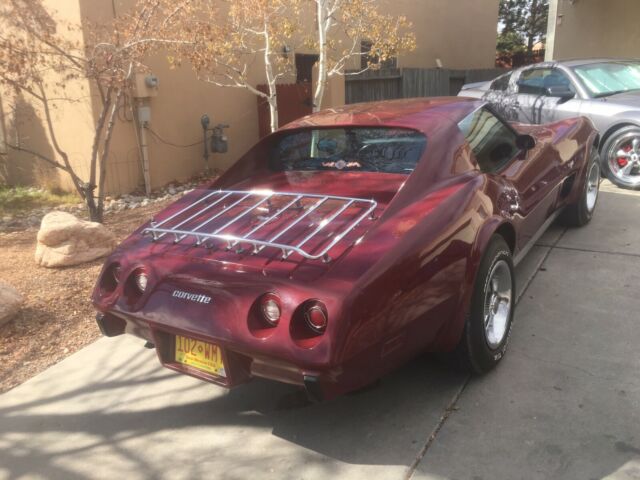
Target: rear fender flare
x=450, y=335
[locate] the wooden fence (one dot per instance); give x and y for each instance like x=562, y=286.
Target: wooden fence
x=373, y=85
x=393, y=83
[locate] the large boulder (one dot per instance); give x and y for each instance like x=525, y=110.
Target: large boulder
x=65, y=240
x=10, y=302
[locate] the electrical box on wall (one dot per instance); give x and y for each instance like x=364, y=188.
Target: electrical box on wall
x=145, y=85
x=144, y=115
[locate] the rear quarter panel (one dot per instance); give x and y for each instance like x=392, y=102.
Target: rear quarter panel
x=410, y=295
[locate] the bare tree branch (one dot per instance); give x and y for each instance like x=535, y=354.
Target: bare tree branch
x=49, y=160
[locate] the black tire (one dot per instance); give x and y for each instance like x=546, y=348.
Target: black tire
x=580, y=212
x=615, y=141
x=474, y=352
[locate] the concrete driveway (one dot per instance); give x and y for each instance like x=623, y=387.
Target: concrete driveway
x=565, y=402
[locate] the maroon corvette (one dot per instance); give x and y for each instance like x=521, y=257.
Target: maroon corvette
x=350, y=241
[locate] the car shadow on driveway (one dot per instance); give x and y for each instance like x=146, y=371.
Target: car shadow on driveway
x=131, y=411
x=111, y=411
x=112, y=405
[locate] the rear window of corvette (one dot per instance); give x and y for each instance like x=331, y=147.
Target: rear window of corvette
x=387, y=150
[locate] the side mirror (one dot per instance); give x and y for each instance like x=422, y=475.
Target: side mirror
x=560, y=91
x=525, y=142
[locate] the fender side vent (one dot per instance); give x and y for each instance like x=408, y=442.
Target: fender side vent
x=567, y=185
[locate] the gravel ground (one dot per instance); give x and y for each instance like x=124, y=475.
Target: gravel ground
x=57, y=318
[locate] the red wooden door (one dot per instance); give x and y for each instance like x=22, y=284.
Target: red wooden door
x=294, y=101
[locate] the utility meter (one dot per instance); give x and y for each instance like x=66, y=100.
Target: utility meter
x=219, y=141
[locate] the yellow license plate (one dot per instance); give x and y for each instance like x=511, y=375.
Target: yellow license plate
x=201, y=355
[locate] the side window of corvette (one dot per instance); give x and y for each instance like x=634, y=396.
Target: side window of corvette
x=492, y=142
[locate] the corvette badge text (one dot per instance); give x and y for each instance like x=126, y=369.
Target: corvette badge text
x=192, y=297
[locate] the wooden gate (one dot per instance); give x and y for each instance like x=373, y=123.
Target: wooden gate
x=294, y=101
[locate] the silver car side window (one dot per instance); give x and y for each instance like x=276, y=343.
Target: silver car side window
x=535, y=81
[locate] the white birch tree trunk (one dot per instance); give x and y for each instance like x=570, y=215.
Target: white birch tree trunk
x=271, y=80
x=323, y=26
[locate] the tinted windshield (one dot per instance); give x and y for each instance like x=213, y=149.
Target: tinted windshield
x=388, y=150
x=604, y=79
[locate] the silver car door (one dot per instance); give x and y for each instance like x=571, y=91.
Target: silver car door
x=553, y=107
x=530, y=96
x=535, y=105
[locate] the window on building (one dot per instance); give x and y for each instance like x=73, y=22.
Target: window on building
x=304, y=67
x=493, y=143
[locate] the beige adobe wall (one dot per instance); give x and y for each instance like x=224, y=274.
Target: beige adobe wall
x=461, y=33
x=175, y=111
x=175, y=118
x=123, y=166
x=593, y=28
x=73, y=122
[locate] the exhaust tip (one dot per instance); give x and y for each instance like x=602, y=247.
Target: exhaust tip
x=110, y=325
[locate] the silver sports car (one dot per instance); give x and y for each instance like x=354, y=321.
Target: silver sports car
x=605, y=90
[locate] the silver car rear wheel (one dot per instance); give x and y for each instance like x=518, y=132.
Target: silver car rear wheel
x=622, y=154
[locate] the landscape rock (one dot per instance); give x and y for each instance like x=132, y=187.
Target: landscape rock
x=112, y=205
x=10, y=302
x=65, y=240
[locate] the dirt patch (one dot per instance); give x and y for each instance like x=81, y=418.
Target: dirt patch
x=57, y=318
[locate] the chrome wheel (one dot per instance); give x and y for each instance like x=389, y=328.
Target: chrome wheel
x=623, y=158
x=593, y=185
x=497, y=304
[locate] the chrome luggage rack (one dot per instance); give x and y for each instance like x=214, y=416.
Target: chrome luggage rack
x=191, y=222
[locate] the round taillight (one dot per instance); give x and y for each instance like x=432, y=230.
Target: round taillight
x=141, y=280
x=316, y=317
x=271, y=309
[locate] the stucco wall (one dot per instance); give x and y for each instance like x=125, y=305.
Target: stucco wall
x=461, y=33
x=73, y=120
x=593, y=28
x=175, y=116
x=175, y=122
